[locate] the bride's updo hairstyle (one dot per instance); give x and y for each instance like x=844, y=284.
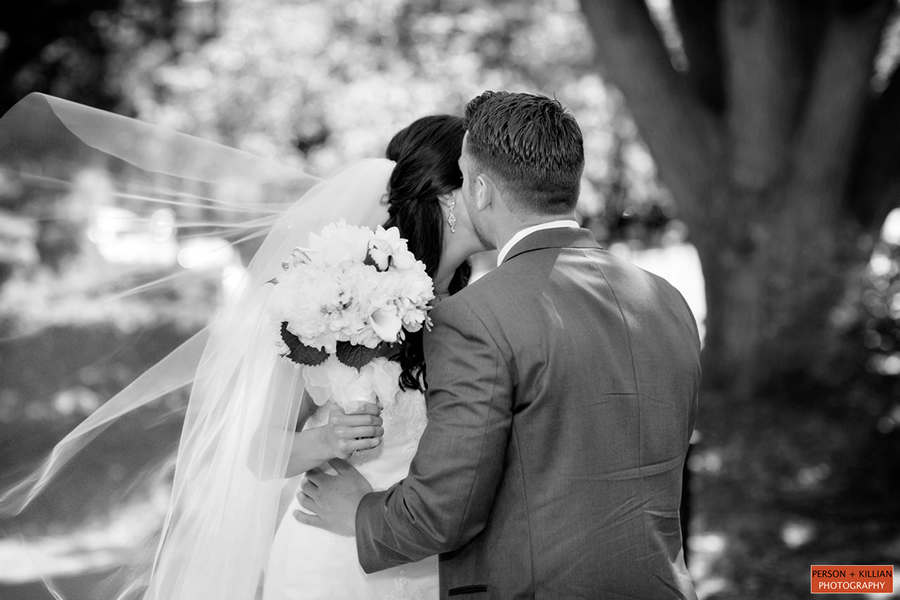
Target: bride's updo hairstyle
x=427, y=155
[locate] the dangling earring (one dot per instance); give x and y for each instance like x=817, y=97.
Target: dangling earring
x=451, y=218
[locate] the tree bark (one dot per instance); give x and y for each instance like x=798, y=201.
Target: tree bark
x=832, y=120
x=760, y=182
x=683, y=136
x=698, y=22
x=763, y=80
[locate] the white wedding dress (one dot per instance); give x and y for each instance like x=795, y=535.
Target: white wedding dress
x=307, y=563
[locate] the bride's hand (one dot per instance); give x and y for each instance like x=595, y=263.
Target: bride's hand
x=345, y=433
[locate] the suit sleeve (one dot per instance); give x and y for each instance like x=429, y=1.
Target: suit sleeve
x=447, y=497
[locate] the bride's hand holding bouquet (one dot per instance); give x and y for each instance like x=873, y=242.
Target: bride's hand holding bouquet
x=346, y=433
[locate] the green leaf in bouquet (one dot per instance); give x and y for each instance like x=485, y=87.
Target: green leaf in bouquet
x=300, y=353
x=355, y=356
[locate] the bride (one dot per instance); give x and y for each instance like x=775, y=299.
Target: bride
x=251, y=431
x=309, y=562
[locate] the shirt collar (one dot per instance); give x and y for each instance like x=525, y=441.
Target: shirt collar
x=529, y=230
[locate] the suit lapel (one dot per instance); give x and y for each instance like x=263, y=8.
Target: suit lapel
x=558, y=237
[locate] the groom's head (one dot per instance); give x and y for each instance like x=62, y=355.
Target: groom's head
x=524, y=148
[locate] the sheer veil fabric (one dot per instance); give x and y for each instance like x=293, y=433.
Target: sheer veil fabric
x=245, y=398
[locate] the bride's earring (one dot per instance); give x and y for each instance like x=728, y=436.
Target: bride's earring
x=451, y=218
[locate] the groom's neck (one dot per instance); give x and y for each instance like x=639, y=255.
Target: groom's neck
x=514, y=224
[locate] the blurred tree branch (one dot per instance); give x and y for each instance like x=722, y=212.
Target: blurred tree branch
x=838, y=93
x=682, y=134
x=699, y=21
x=763, y=80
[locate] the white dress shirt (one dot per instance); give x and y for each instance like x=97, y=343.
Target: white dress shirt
x=529, y=230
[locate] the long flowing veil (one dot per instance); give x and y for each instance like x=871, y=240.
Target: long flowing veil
x=245, y=398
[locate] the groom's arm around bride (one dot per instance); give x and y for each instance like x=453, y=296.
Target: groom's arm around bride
x=562, y=395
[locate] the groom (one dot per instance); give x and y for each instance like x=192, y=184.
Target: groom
x=562, y=394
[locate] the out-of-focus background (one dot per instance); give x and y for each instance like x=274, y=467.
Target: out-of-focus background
x=747, y=150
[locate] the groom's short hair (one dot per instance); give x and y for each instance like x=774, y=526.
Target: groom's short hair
x=531, y=145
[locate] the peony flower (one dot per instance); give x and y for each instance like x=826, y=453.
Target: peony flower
x=340, y=244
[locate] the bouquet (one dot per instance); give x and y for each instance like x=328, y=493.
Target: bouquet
x=340, y=301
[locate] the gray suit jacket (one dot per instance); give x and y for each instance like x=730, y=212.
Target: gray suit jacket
x=562, y=395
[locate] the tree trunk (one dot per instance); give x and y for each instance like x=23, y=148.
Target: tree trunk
x=772, y=277
x=758, y=161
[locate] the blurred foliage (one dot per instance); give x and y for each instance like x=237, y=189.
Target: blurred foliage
x=287, y=80
x=79, y=49
x=318, y=84
x=67, y=344
x=807, y=473
x=51, y=381
x=330, y=81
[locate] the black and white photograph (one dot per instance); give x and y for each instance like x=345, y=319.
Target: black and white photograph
x=432, y=299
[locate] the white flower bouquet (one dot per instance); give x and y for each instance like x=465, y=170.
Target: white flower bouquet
x=343, y=298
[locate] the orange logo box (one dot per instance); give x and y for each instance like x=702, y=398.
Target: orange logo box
x=851, y=579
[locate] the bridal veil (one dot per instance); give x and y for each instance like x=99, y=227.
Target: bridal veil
x=245, y=398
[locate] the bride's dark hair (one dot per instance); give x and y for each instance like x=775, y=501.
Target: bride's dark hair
x=427, y=156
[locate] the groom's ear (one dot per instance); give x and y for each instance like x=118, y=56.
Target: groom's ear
x=485, y=191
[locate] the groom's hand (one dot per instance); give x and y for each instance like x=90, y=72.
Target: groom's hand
x=333, y=499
